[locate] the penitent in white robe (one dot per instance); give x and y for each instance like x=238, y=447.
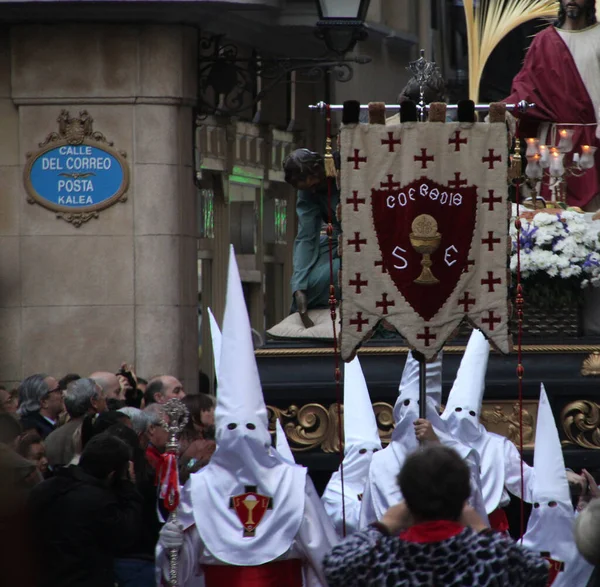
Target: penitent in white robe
x=314, y=540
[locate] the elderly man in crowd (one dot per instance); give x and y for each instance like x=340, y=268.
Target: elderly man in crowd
x=111, y=386
x=140, y=422
x=157, y=434
x=40, y=404
x=83, y=397
x=163, y=388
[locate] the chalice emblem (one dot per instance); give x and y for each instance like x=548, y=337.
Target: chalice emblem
x=425, y=239
x=250, y=508
x=250, y=502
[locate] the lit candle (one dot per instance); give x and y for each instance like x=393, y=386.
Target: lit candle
x=545, y=156
x=533, y=147
x=556, y=164
x=533, y=169
x=565, y=145
x=586, y=161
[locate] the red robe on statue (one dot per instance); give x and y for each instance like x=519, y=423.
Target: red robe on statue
x=551, y=80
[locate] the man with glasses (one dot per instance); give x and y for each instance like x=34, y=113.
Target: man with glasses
x=40, y=404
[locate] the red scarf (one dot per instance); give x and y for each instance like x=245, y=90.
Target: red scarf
x=166, y=477
x=432, y=531
x=154, y=458
x=499, y=521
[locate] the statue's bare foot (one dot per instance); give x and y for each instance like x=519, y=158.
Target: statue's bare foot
x=308, y=323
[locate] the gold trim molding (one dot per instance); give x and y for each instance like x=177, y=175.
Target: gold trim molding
x=591, y=365
x=581, y=424
x=315, y=426
x=403, y=350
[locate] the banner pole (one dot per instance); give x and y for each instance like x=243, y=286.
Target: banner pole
x=422, y=384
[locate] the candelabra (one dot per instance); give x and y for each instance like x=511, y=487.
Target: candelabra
x=552, y=163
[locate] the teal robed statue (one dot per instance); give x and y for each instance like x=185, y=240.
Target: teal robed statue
x=305, y=171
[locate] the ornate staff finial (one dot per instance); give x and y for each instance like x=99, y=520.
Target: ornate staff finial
x=423, y=71
x=178, y=416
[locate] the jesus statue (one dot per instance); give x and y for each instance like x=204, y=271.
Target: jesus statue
x=561, y=75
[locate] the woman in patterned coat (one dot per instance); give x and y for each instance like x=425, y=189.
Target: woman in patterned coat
x=432, y=538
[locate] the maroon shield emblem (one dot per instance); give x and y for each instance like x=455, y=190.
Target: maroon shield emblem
x=556, y=567
x=250, y=508
x=425, y=231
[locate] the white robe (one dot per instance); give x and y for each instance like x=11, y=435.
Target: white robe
x=356, y=471
x=550, y=529
x=382, y=490
x=500, y=463
x=315, y=539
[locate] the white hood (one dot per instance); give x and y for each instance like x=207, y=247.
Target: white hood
x=550, y=526
x=244, y=462
x=383, y=490
x=361, y=441
x=463, y=408
x=216, y=337
x=281, y=443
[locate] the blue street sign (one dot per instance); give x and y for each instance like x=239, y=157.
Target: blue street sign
x=76, y=177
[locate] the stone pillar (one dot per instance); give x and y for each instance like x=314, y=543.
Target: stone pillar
x=123, y=287
x=10, y=243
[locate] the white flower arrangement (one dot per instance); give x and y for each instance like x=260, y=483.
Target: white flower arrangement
x=558, y=245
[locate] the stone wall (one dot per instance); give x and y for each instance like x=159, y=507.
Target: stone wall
x=123, y=287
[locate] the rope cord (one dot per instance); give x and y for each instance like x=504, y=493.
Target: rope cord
x=333, y=313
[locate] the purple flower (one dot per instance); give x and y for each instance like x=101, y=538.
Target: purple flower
x=526, y=239
x=589, y=262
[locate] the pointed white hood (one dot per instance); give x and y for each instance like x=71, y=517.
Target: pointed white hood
x=216, y=336
x=281, y=443
x=244, y=462
x=550, y=526
x=406, y=409
x=239, y=399
x=499, y=459
x=361, y=441
x=463, y=408
x=360, y=425
x=382, y=487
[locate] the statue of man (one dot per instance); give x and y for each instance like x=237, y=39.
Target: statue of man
x=561, y=75
x=305, y=171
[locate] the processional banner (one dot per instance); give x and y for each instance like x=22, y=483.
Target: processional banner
x=424, y=210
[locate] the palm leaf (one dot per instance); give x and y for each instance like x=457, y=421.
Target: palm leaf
x=490, y=22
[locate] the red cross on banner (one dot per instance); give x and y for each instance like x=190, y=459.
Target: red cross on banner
x=357, y=159
x=425, y=232
x=424, y=158
x=467, y=301
x=457, y=182
x=491, y=158
x=355, y=200
x=491, y=200
x=385, y=303
x=358, y=283
x=391, y=142
x=457, y=141
x=356, y=242
x=359, y=321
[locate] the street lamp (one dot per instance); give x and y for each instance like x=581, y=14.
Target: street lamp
x=228, y=83
x=341, y=23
